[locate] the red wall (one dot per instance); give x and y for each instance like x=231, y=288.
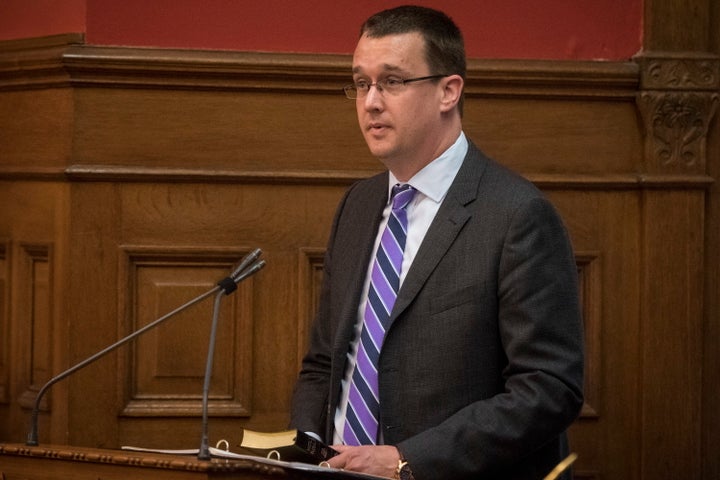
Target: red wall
x=549, y=29
x=37, y=18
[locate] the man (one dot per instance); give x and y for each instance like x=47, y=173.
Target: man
x=480, y=364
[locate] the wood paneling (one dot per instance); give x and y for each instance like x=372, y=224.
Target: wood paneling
x=34, y=332
x=4, y=322
x=161, y=168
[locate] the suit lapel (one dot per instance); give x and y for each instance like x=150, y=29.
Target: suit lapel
x=450, y=219
x=365, y=217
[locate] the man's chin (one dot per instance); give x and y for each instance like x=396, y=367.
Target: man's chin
x=381, y=152
x=383, y=158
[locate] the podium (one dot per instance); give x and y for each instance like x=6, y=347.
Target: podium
x=63, y=462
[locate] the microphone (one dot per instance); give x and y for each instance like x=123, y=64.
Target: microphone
x=247, y=260
x=243, y=271
x=32, y=439
x=229, y=284
x=252, y=270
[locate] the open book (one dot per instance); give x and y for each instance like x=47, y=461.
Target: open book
x=318, y=471
x=290, y=449
x=290, y=445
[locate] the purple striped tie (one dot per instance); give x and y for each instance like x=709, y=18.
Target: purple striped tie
x=361, y=425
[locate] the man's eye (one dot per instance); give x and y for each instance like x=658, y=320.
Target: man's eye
x=393, y=82
x=362, y=85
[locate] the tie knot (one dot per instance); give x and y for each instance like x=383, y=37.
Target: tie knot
x=402, y=195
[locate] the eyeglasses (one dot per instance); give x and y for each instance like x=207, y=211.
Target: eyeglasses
x=391, y=85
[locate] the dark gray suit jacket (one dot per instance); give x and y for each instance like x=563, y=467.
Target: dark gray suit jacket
x=481, y=371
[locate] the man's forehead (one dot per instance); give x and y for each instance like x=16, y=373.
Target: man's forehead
x=397, y=52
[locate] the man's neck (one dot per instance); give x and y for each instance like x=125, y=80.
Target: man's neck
x=405, y=169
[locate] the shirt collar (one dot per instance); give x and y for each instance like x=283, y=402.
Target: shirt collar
x=434, y=180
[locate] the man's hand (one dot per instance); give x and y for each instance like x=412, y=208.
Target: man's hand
x=381, y=460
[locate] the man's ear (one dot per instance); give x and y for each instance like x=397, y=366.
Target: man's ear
x=451, y=92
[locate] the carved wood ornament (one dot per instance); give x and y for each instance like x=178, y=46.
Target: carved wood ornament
x=677, y=102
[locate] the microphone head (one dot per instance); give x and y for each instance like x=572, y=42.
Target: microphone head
x=229, y=283
x=251, y=270
x=247, y=260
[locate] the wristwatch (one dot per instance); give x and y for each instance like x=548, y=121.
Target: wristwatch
x=403, y=471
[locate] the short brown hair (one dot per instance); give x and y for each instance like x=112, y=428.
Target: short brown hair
x=444, y=45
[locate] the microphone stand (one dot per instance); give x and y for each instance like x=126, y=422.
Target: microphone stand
x=32, y=439
x=229, y=285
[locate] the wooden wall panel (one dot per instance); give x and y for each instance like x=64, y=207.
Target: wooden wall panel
x=33, y=222
x=672, y=319
x=711, y=314
x=215, y=130
x=176, y=163
x=165, y=368
x=604, y=230
x=35, y=131
x=33, y=337
x=568, y=138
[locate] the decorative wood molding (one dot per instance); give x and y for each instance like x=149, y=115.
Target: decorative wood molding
x=63, y=60
x=676, y=126
x=36, y=62
x=549, y=181
x=679, y=71
x=146, y=460
x=677, y=103
x=30, y=172
x=119, y=173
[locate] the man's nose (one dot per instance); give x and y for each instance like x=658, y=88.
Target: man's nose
x=373, y=97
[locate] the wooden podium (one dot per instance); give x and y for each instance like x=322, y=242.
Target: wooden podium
x=62, y=462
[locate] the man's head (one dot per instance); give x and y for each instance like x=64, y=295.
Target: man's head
x=408, y=78
x=444, y=45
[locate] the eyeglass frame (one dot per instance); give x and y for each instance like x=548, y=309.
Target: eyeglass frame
x=352, y=88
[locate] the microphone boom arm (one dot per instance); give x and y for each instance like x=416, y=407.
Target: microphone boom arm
x=32, y=439
x=238, y=274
